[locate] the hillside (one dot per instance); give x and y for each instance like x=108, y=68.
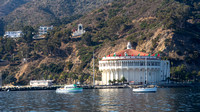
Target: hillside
x=46, y=12
x=7, y=6
x=168, y=27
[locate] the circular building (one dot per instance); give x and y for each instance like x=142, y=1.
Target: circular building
x=137, y=67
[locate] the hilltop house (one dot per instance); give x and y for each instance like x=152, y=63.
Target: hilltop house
x=13, y=34
x=44, y=29
x=78, y=32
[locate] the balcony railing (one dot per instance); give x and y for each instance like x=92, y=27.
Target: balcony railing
x=130, y=57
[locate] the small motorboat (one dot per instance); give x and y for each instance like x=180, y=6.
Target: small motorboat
x=69, y=88
x=145, y=89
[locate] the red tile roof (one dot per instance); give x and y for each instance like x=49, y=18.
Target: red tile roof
x=130, y=52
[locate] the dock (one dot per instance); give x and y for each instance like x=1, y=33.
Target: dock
x=30, y=88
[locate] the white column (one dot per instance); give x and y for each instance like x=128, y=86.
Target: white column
x=116, y=74
x=103, y=77
x=153, y=75
x=120, y=74
x=111, y=75
x=137, y=78
x=104, y=73
x=108, y=77
x=127, y=74
x=158, y=73
x=133, y=75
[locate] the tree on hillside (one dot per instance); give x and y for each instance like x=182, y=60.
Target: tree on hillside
x=10, y=79
x=81, y=78
x=28, y=33
x=68, y=32
x=194, y=75
x=70, y=77
x=1, y=27
x=9, y=45
x=74, y=77
x=87, y=39
x=198, y=76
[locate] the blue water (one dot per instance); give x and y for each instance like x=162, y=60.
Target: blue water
x=113, y=100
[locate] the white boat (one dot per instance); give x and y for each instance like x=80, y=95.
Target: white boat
x=145, y=88
x=69, y=88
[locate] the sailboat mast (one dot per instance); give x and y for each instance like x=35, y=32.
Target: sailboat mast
x=146, y=70
x=93, y=69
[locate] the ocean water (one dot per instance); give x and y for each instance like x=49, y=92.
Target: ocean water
x=103, y=100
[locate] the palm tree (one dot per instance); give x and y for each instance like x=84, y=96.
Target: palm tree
x=114, y=80
x=123, y=79
x=110, y=81
x=118, y=81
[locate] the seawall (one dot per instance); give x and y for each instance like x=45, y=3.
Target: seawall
x=29, y=88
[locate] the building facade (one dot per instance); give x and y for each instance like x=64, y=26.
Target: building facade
x=13, y=34
x=136, y=67
x=78, y=32
x=37, y=83
x=44, y=29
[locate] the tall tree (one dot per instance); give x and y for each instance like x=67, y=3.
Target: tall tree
x=28, y=33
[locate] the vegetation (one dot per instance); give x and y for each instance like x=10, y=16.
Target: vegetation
x=172, y=24
x=7, y=7
x=56, y=12
x=1, y=27
x=123, y=80
x=180, y=74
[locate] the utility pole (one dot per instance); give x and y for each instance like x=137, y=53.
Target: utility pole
x=93, y=70
x=0, y=79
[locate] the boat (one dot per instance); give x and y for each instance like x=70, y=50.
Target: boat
x=69, y=88
x=145, y=88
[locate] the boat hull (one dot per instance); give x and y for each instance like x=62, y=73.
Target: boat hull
x=145, y=89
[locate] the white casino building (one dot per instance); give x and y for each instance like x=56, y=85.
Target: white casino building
x=128, y=64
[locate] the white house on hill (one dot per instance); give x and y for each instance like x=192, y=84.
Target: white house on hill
x=13, y=34
x=44, y=29
x=78, y=32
